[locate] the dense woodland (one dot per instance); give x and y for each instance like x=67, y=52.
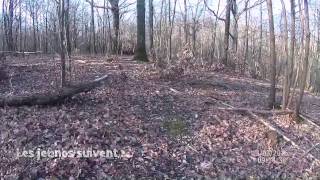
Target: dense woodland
x=187, y=81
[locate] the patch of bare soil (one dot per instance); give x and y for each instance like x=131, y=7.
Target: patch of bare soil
x=168, y=128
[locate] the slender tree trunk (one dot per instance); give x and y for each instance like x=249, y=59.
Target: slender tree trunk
x=34, y=31
x=46, y=38
x=226, y=33
x=194, y=36
x=38, y=35
x=261, y=66
x=140, y=53
x=104, y=34
x=110, y=42
x=116, y=25
x=215, y=34
x=185, y=22
x=303, y=77
x=93, y=30
x=10, y=26
x=4, y=25
x=273, y=56
x=246, y=56
x=75, y=31
x=295, y=76
x=286, y=86
x=171, y=21
x=20, y=26
x=151, y=24
x=68, y=27
x=235, y=25
x=62, y=42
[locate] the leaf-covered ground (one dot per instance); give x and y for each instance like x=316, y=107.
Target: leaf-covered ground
x=170, y=127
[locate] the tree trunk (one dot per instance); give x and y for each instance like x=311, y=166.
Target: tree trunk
x=116, y=25
x=214, y=34
x=46, y=34
x=286, y=85
x=151, y=24
x=140, y=53
x=62, y=42
x=261, y=65
x=68, y=28
x=185, y=23
x=20, y=26
x=93, y=34
x=273, y=56
x=235, y=25
x=171, y=22
x=75, y=30
x=246, y=55
x=303, y=78
x=9, y=25
x=226, y=33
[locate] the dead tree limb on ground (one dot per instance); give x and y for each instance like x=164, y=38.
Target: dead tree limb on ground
x=53, y=98
x=282, y=112
x=17, y=53
x=278, y=131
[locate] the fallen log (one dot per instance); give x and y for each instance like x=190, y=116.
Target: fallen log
x=52, y=98
x=15, y=53
x=273, y=112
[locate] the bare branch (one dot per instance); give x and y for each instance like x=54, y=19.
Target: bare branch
x=213, y=12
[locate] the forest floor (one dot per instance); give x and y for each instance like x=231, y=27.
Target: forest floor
x=168, y=127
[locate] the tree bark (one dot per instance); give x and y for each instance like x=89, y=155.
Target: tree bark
x=68, y=27
x=140, y=53
x=286, y=85
x=151, y=10
x=8, y=24
x=185, y=23
x=235, y=24
x=226, y=33
x=303, y=77
x=20, y=26
x=93, y=34
x=273, y=56
x=246, y=56
x=171, y=22
x=62, y=41
x=116, y=25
